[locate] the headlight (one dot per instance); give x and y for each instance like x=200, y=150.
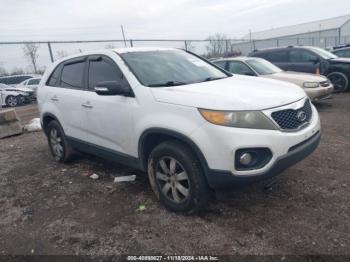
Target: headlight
x=311, y=84
x=240, y=119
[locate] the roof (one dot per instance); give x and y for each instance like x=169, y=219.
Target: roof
x=315, y=26
x=237, y=58
x=141, y=49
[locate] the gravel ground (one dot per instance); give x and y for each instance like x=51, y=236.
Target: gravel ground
x=50, y=208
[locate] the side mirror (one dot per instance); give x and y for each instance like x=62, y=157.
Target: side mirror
x=110, y=88
x=315, y=60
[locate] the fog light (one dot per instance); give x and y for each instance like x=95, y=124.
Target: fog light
x=245, y=159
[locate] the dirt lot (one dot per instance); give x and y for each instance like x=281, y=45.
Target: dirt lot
x=49, y=208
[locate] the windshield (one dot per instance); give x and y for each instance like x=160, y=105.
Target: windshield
x=263, y=67
x=323, y=53
x=170, y=67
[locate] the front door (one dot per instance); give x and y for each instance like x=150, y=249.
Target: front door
x=109, y=118
x=303, y=61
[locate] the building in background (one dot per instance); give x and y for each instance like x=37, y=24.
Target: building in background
x=323, y=33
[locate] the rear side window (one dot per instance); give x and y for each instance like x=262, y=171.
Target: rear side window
x=103, y=70
x=54, y=78
x=239, y=68
x=221, y=64
x=277, y=56
x=72, y=75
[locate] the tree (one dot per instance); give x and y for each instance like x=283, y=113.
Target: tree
x=3, y=71
x=218, y=45
x=17, y=71
x=110, y=46
x=31, y=52
x=61, y=54
x=189, y=46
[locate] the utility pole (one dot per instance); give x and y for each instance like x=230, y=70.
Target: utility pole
x=250, y=40
x=123, y=35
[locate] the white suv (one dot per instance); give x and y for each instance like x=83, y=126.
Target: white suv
x=192, y=126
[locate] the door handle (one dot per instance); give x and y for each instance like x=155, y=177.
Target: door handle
x=54, y=98
x=87, y=105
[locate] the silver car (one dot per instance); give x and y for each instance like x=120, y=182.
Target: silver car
x=317, y=87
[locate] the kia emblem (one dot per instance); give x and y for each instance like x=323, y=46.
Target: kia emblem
x=301, y=115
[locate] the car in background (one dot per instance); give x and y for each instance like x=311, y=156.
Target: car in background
x=316, y=87
x=31, y=83
x=309, y=59
x=342, y=52
x=11, y=97
x=14, y=80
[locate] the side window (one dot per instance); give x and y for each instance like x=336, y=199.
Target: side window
x=239, y=68
x=53, y=80
x=72, y=75
x=277, y=56
x=102, y=70
x=301, y=56
x=221, y=64
x=34, y=82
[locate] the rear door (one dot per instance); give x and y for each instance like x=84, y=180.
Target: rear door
x=278, y=57
x=303, y=60
x=67, y=89
x=109, y=118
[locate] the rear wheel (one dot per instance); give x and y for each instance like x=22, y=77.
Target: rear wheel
x=60, y=149
x=12, y=101
x=339, y=80
x=177, y=178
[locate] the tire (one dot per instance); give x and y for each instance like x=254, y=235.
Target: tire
x=339, y=80
x=12, y=101
x=59, y=147
x=21, y=100
x=176, y=178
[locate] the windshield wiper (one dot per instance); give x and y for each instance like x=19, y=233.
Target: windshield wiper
x=212, y=79
x=170, y=83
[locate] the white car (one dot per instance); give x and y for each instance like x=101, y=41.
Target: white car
x=31, y=84
x=11, y=96
x=192, y=126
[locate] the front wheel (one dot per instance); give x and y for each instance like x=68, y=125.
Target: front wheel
x=12, y=101
x=339, y=80
x=177, y=178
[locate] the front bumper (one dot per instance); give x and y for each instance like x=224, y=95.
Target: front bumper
x=319, y=93
x=220, y=179
x=219, y=145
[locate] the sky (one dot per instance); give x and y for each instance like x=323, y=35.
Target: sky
x=31, y=20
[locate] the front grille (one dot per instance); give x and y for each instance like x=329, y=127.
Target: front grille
x=290, y=119
x=324, y=83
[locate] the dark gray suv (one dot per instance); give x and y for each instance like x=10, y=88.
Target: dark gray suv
x=310, y=60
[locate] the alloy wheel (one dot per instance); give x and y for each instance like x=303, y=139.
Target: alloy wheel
x=56, y=143
x=172, y=179
x=12, y=101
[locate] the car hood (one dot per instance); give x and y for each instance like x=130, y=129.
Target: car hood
x=295, y=77
x=342, y=60
x=20, y=89
x=232, y=93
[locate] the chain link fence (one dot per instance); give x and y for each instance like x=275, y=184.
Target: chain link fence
x=14, y=61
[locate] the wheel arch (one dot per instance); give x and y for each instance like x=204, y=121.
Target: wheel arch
x=152, y=137
x=47, y=118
